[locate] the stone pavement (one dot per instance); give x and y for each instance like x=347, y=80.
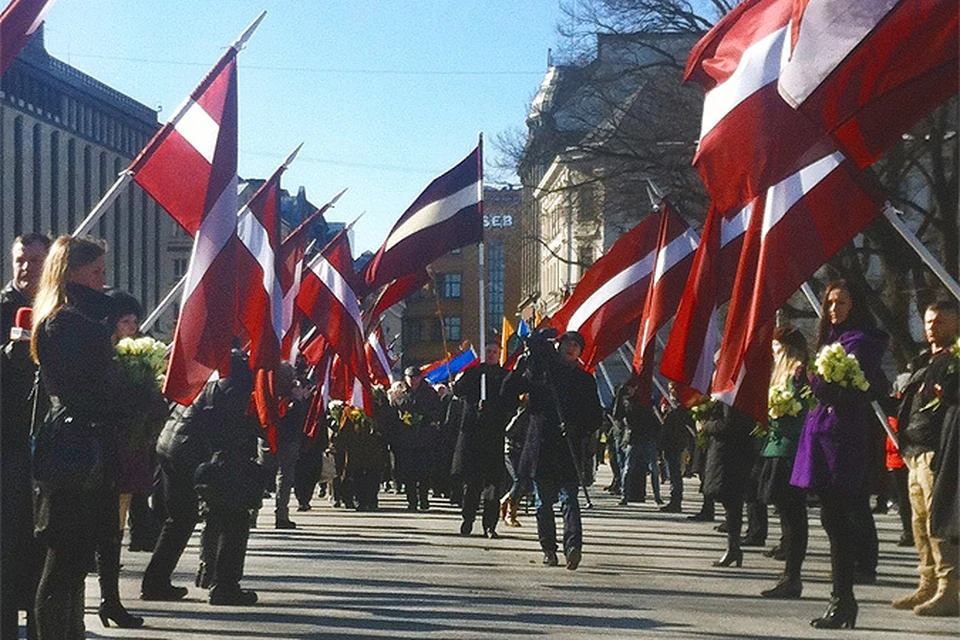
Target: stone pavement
x=396, y=574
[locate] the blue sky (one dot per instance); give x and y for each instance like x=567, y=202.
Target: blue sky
x=385, y=95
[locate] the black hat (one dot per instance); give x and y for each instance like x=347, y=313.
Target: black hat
x=123, y=304
x=412, y=371
x=575, y=336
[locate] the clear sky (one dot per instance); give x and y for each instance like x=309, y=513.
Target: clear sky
x=385, y=95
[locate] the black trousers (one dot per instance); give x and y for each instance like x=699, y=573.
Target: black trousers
x=835, y=515
x=867, y=544
x=60, y=594
x=792, y=505
x=182, y=509
x=733, y=508
x=476, y=488
x=223, y=546
x=904, y=509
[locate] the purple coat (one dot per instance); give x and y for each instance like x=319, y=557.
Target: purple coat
x=832, y=452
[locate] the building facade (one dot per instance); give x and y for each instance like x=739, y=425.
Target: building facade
x=64, y=137
x=445, y=315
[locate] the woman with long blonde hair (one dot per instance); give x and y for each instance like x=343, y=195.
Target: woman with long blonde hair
x=790, y=356
x=88, y=399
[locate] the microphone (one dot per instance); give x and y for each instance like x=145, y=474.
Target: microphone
x=20, y=331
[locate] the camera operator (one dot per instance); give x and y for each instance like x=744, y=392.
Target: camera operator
x=564, y=413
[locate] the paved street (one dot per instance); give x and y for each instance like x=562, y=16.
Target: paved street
x=400, y=575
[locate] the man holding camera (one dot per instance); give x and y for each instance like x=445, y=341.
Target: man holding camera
x=564, y=412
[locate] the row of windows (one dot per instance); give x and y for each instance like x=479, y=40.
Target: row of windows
x=67, y=177
x=414, y=330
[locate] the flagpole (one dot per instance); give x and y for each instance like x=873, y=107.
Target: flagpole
x=126, y=176
x=891, y=215
x=160, y=308
x=482, y=269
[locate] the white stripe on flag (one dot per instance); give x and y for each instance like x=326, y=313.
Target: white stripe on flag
x=675, y=251
x=215, y=232
x=333, y=281
x=735, y=227
x=829, y=31
x=759, y=66
x=200, y=130
x=381, y=356
x=255, y=237
x=611, y=288
x=786, y=193
x=433, y=213
x=40, y=17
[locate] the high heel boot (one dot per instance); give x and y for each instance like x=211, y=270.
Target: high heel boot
x=841, y=612
x=732, y=556
x=108, y=566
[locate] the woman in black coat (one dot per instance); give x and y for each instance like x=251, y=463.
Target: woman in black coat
x=730, y=458
x=88, y=396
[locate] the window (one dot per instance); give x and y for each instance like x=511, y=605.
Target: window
x=180, y=268
x=448, y=284
x=412, y=332
x=451, y=325
x=495, y=290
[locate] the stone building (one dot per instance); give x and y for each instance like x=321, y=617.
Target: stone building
x=64, y=137
x=445, y=314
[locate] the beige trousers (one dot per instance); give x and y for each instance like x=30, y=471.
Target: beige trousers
x=938, y=557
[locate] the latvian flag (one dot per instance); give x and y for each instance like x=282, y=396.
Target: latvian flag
x=447, y=215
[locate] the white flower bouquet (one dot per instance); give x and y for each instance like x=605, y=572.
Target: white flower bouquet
x=835, y=365
x=782, y=401
x=143, y=360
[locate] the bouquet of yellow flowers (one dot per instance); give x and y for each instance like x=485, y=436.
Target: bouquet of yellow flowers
x=411, y=419
x=782, y=401
x=835, y=365
x=143, y=360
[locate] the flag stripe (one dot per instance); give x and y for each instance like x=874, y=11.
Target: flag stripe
x=216, y=230
x=612, y=288
x=199, y=129
x=434, y=213
x=338, y=286
x=784, y=195
x=678, y=249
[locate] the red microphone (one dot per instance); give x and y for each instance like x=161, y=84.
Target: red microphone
x=22, y=324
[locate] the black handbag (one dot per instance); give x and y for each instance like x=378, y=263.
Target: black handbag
x=67, y=453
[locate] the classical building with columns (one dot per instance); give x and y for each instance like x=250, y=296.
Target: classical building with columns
x=64, y=137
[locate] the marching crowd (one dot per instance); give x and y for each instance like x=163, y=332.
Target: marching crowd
x=88, y=451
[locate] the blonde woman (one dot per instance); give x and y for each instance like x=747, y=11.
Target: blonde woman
x=88, y=397
x=779, y=451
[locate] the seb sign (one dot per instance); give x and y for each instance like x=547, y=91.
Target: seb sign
x=497, y=221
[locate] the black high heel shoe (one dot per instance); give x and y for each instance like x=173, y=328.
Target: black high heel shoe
x=840, y=613
x=113, y=610
x=732, y=556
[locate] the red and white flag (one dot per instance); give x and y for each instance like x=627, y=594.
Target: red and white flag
x=447, y=215
x=259, y=287
x=316, y=421
x=18, y=22
x=607, y=303
x=398, y=290
x=868, y=71
x=328, y=299
x=676, y=245
x=190, y=169
x=378, y=359
x=688, y=355
x=750, y=138
x=818, y=209
x=291, y=263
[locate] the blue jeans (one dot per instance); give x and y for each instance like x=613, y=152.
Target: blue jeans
x=547, y=493
x=642, y=457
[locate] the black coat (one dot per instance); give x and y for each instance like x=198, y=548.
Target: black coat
x=479, y=449
x=730, y=453
x=11, y=299
x=78, y=368
x=547, y=451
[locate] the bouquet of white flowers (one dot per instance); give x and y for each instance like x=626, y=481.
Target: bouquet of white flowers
x=143, y=360
x=834, y=364
x=782, y=401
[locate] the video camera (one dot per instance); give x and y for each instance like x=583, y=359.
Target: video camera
x=540, y=348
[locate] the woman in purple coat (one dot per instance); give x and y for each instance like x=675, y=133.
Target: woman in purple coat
x=831, y=455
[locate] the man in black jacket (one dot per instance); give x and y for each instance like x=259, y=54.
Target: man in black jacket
x=418, y=409
x=19, y=559
x=564, y=413
x=925, y=401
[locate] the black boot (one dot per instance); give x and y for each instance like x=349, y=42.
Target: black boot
x=108, y=567
x=841, y=612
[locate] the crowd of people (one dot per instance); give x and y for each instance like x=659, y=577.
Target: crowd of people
x=88, y=450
